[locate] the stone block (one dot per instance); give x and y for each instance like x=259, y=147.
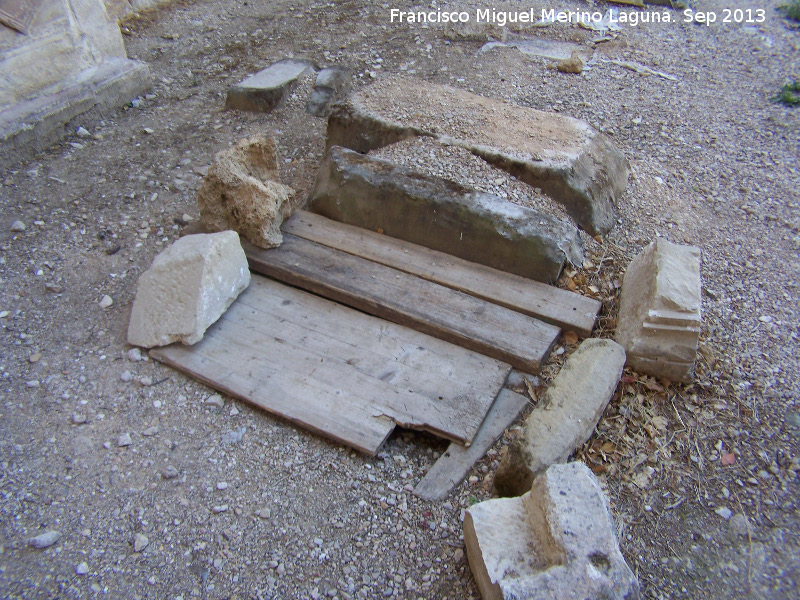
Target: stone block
x=442, y=215
x=268, y=89
x=555, y=542
x=187, y=288
x=242, y=192
x=332, y=84
x=565, y=416
x=659, y=315
x=566, y=158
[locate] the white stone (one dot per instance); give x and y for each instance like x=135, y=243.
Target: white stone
x=82, y=569
x=17, y=226
x=215, y=401
x=140, y=542
x=105, y=301
x=659, y=315
x=555, y=542
x=187, y=288
x=565, y=416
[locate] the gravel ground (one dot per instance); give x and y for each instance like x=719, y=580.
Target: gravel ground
x=159, y=492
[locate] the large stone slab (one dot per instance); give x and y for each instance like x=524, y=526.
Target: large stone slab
x=555, y=542
x=659, y=316
x=565, y=157
x=269, y=88
x=565, y=416
x=442, y=215
x=187, y=288
x=242, y=192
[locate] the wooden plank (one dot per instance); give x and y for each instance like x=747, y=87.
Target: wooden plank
x=339, y=372
x=453, y=466
x=512, y=337
x=568, y=310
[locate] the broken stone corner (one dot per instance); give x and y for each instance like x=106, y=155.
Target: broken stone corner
x=187, y=288
x=660, y=311
x=242, y=191
x=269, y=88
x=565, y=417
x=556, y=541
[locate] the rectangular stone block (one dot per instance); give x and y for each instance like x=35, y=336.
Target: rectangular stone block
x=269, y=88
x=660, y=311
x=442, y=215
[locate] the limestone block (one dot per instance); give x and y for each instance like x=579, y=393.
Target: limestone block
x=565, y=417
x=187, y=288
x=659, y=316
x=242, y=192
x=269, y=88
x=555, y=542
x=442, y=215
x=566, y=158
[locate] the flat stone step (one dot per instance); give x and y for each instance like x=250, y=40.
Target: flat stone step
x=269, y=88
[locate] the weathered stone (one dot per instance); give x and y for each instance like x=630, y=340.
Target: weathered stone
x=555, y=542
x=269, y=88
x=71, y=61
x=187, y=288
x=552, y=49
x=659, y=315
x=140, y=542
x=565, y=416
x=331, y=85
x=442, y=215
x=242, y=192
x=565, y=157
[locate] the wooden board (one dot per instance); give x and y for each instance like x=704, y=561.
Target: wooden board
x=493, y=330
x=453, y=466
x=346, y=375
x=565, y=309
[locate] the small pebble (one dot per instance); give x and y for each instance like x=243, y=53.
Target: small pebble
x=82, y=132
x=215, y=401
x=220, y=509
x=146, y=381
x=134, y=355
x=82, y=569
x=169, y=473
x=126, y=376
x=222, y=485
x=124, y=440
x=34, y=358
x=78, y=419
x=264, y=513
x=140, y=542
x=32, y=383
x=45, y=540
x=18, y=226
x=724, y=512
x=150, y=431
x=105, y=301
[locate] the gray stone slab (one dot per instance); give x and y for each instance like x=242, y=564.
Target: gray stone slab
x=565, y=157
x=442, y=215
x=556, y=542
x=565, y=417
x=332, y=84
x=33, y=125
x=269, y=88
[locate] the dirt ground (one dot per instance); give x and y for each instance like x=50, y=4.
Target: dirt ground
x=234, y=503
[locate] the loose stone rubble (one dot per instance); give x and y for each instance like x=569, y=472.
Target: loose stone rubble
x=442, y=215
x=242, y=192
x=565, y=416
x=331, y=85
x=659, y=315
x=187, y=288
x=565, y=157
x=555, y=542
x=269, y=88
